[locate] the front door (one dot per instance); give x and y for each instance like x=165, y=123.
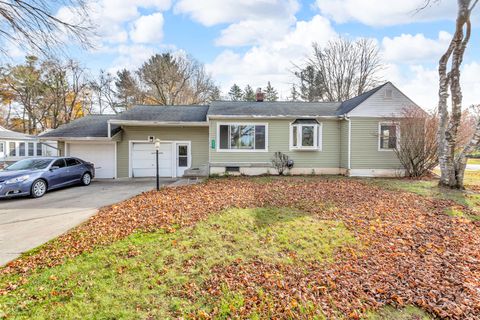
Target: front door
x=183, y=161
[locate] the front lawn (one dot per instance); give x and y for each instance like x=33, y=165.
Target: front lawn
x=260, y=248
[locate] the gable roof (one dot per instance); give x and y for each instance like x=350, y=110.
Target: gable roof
x=191, y=113
x=9, y=134
x=94, y=126
x=354, y=102
x=273, y=109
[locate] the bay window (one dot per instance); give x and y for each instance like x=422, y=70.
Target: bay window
x=306, y=134
x=242, y=137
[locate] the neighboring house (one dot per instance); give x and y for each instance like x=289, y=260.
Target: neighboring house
x=356, y=137
x=15, y=146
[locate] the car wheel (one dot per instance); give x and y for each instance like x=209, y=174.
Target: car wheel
x=39, y=188
x=86, y=179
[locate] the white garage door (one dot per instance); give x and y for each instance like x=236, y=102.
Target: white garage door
x=102, y=155
x=143, y=160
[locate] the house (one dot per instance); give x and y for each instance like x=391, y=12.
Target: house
x=16, y=146
x=356, y=137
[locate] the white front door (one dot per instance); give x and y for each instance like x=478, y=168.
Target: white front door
x=183, y=158
x=102, y=155
x=144, y=160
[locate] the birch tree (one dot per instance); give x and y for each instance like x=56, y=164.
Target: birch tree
x=453, y=162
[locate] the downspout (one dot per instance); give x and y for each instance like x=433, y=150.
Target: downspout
x=349, y=143
x=349, y=166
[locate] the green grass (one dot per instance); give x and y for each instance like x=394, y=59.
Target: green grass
x=473, y=160
x=148, y=274
x=407, y=313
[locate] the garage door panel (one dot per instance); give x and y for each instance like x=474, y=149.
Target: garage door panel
x=102, y=155
x=144, y=160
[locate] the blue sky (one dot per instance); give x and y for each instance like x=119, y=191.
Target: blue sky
x=255, y=41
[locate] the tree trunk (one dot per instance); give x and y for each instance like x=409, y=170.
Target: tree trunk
x=453, y=167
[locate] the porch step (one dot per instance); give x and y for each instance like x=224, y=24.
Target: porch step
x=201, y=171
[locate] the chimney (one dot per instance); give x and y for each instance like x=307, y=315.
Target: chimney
x=260, y=95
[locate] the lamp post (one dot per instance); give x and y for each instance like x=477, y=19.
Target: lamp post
x=157, y=148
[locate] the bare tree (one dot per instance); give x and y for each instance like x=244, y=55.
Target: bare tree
x=102, y=92
x=35, y=25
x=341, y=70
x=453, y=162
x=173, y=80
x=417, y=146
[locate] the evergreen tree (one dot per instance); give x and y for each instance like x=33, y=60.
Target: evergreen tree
x=235, y=93
x=270, y=93
x=294, y=94
x=249, y=94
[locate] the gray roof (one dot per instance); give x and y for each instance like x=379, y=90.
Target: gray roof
x=273, y=109
x=95, y=126
x=191, y=113
x=351, y=104
x=9, y=134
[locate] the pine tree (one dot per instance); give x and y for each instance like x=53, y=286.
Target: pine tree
x=235, y=93
x=249, y=94
x=294, y=94
x=270, y=93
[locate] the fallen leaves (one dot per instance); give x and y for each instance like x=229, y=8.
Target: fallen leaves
x=414, y=254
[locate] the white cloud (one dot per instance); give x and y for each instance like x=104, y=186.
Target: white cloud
x=414, y=48
x=383, y=13
x=271, y=61
x=251, y=21
x=212, y=12
x=148, y=29
x=253, y=32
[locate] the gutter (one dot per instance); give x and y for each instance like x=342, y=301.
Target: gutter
x=268, y=117
x=142, y=123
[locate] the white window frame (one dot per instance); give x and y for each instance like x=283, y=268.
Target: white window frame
x=317, y=137
x=397, y=129
x=217, y=142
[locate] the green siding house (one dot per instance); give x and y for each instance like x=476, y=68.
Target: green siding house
x=356, y=137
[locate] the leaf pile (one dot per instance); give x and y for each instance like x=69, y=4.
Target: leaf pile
x=413, y=253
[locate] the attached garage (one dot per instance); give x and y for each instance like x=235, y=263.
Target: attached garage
x=173, y=158
x=144, y=160
x=102, y=155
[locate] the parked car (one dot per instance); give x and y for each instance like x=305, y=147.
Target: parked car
x=35, y=176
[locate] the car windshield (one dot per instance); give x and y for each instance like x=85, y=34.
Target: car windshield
x=29, y=164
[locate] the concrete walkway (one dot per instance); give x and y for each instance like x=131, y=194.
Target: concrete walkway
x=26, y=223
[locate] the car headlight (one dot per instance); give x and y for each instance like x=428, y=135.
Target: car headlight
x=17, y=179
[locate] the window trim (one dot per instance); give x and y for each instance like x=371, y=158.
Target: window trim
x=317, y=137
x=379, y=134
x=217, y=140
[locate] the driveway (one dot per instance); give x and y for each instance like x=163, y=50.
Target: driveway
x=26, y=223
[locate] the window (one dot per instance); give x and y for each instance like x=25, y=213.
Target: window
x=31, y=149
x=2, y=147
x=12, y=148
x=306, y=134
x=59, y=163
x=39, y=149
x=242, y=137
x=72, y=162
x=183, y=156
x=21, y=149
x=388, y=136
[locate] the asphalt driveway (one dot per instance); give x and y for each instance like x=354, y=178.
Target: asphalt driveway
x=26, y=223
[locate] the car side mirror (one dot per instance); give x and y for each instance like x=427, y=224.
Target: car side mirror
x=54, y=168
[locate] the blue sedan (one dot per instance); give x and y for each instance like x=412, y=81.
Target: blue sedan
x=35, y=176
